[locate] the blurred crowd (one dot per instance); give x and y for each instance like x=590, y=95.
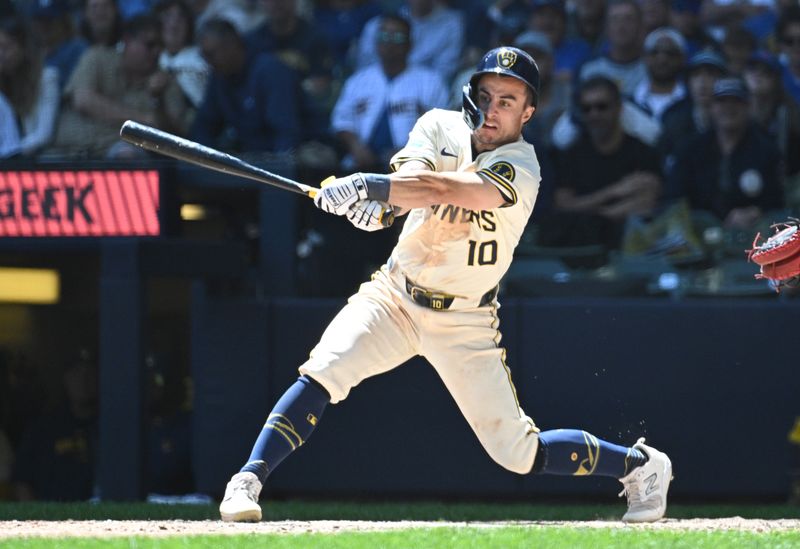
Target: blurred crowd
x=648, y=108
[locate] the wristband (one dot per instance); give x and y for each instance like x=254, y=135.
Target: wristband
x=378, y=186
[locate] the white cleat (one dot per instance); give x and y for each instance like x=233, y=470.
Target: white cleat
x=646, y=486
x=240, y=503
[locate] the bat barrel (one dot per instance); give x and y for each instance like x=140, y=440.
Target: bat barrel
x=161, y=142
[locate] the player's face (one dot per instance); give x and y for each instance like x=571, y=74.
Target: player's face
x=504, y=101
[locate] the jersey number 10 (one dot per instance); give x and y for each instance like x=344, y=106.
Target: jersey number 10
x=482, y=253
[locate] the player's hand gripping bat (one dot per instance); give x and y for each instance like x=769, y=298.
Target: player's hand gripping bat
x=161, y=142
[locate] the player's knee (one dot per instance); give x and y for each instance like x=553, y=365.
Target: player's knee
x=327, y=381
x=516, y=456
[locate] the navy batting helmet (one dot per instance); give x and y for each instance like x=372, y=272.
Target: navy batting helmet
x=507, y=61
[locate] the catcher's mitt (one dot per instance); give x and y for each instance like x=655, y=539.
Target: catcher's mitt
x=779, y=255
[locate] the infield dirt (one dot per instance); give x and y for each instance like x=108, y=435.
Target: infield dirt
x=160, y=528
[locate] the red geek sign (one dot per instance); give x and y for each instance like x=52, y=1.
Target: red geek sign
x=79, y=203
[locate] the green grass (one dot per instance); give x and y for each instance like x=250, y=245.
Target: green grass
x=505, y=537
x=304, y=510
x=462, y=538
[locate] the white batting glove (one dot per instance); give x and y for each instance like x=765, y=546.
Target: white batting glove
x=367, y=215
x=338, y=196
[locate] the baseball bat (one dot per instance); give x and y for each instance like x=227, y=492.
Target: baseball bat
x=161, y=142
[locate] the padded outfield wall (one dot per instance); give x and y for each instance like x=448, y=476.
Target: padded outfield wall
x=711, y=382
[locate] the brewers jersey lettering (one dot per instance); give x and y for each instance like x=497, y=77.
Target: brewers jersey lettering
x=451, y=249
x=453, y=257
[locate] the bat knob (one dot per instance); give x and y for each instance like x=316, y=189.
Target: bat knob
x=387, y=217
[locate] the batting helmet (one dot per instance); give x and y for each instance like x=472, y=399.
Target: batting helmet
x=507, y=61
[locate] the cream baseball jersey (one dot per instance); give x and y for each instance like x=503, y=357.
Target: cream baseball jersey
x=450, y=249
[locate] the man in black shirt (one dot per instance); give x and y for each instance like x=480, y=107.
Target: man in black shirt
x=606, y=175
x=732, y=169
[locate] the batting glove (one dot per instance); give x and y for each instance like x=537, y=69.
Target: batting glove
x=341, y=194
x=368, y=215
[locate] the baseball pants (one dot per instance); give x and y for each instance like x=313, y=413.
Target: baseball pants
x=380, y=328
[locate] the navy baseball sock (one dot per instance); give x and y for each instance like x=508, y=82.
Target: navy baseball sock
x=574, y=452
x=289, y=425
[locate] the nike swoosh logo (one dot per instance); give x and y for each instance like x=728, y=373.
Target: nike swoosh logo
x=445, y=153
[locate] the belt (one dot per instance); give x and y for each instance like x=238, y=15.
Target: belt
x=441, y=301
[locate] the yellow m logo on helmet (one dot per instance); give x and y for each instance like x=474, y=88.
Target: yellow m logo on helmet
x=506, y=58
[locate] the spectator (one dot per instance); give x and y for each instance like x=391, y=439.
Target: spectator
x=503, y=19
x=437, y=33
x=665, y=56
x=341, y=22
x=691, y=115
x=242, y=14
x=606, y=176
x=623, y=63
x=302, y=48
x=655, y=14
x=110, y=86
x=553, y=94
x=553, y=101
x=102, y=23
x=9, y=132
x=772, y=112
x=788, y=32
x=732, y=169
x=480, y=29
x=31, y=88
x=295, y=41
x=251, y=104
x=550, y=18
x=132, y=8
x=56, y=458
x=380, y=103
x=738, y=46
x=588, y=21
x=718, y=15
x=53, y=24
x=181, y=56
x=772, y=41
x=684, y=16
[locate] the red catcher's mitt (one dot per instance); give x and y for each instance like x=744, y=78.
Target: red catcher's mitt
x=779, y=255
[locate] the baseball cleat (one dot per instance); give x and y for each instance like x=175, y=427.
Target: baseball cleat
x=240, y=503
x=646, y=486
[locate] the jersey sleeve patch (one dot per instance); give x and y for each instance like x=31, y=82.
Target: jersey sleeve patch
x=501, y=174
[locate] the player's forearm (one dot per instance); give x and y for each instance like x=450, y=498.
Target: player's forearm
x=420, y=188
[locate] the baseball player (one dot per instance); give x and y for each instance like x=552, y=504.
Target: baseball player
x=468, y=183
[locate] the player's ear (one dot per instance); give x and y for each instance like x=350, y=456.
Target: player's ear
x=528, y=113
